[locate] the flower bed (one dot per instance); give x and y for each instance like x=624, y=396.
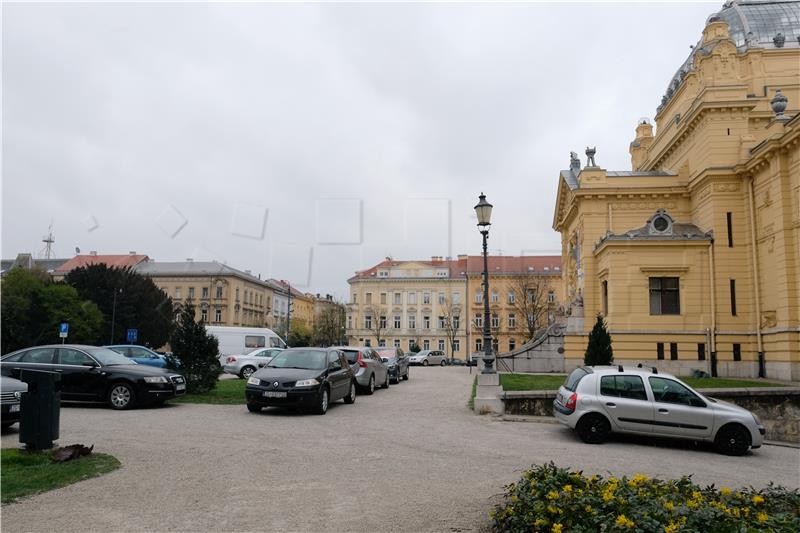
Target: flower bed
x=553, y=499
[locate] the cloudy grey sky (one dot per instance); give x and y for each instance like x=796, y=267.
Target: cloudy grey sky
x=307, y=141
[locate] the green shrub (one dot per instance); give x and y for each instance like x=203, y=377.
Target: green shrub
x=553, y=499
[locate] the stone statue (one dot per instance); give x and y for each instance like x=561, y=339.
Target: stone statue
x=590, y=156
x=574, y=162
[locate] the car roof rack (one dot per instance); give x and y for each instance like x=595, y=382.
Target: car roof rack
x=655, y=370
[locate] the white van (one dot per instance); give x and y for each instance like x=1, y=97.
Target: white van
x=239, y=340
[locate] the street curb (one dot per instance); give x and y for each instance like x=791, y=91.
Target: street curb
x=529, y=418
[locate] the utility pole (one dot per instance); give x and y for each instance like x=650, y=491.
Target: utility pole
x=289, y=312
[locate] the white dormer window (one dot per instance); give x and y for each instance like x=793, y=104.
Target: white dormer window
x=441, y=273
x=383, y=273
x=547, y=269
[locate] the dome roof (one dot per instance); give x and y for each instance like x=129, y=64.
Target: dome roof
x=752, y=24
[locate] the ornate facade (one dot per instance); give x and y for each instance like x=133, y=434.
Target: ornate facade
x=693, y=256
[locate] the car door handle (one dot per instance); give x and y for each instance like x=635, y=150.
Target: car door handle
x=663, y=410
x=610, y=404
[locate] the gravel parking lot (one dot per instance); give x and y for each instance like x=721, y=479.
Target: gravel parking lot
x=411, y=458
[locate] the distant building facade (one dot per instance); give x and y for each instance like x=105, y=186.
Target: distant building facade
x=431, y=303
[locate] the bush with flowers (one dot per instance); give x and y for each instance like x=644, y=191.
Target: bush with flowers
x=553, y=499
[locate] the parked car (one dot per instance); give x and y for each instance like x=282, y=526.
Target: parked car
x=93, y=373
x=596, y=401
x=140, y=354
x=244, y=365
x=10, y=394
x=458, y=362
x=428, y=357
x=397, y=362
x=302, y=377
x=368, y=367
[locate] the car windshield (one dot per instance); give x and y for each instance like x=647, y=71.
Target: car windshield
x=309, y=359
x=107, y=357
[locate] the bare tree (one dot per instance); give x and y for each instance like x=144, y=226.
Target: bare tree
x=531, y=303
x=329, y=325
x=451, y=323
x=377, y=321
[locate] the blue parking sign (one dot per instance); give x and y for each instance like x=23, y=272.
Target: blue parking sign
x=63, y=330
x=133, y=334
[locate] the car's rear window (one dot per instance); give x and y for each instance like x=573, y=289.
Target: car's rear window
x=352, y=356
x=574, y=378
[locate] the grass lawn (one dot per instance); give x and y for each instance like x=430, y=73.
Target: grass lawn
x=512, y=382
x=227, y=392
x=25, y=474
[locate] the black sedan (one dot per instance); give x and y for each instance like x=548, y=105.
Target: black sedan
x=397, y=362
x=309, y=378
x=90, y=373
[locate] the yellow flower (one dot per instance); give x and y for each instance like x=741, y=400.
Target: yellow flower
x=552, y=495
x=588, y=508
x=557, y=528
x=672, y=527
x=540, y=522
x=757, y=499
x=697, y=495
x=608, y=496
x=762, y=516
x=669, y=506
x=567, y=488
x=725, y=491
x=553, y=510
x=624, y=521
x=638, y=479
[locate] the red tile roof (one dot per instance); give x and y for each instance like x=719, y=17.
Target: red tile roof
x=473, y=264
x=112, y=261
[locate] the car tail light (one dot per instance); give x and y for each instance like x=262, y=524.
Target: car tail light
x=231, y=359
x=361, y=362
x=572, y=402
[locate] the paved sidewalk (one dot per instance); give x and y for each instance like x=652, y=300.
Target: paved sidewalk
x=411, y=458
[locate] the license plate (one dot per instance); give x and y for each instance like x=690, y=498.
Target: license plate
x=14, y=409
x=180, y=386
x=273, y=394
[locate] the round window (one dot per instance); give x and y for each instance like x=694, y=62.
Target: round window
x=660, y=223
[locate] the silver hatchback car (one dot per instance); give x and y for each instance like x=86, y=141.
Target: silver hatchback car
x=596, y=401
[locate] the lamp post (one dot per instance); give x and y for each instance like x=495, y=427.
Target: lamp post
x=484, y=212
x=114, y=313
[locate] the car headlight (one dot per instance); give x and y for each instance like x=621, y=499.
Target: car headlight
x=252, y=380
x=155, y=379
x=306, y=383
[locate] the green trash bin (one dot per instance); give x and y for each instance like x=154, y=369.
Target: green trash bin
x=40, y=409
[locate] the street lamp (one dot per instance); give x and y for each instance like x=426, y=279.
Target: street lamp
x=484, y=212
x=114, y=313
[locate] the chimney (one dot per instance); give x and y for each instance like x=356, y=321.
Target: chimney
x=189, y=259
x=462, y=257
x=132, y=252
x=93, y=252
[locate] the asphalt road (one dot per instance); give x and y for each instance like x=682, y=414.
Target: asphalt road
x=412, y=458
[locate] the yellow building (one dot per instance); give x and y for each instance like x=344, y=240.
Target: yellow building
x=693, y=256
x=405, y=302
x=222, y=295
x=522, y=290
x=431, y=303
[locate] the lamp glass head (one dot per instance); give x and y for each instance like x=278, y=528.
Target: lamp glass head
x=484, y=211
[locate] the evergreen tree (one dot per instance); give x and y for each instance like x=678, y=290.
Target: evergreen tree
x=140, y=304
x=598, y=351
x=194, y=352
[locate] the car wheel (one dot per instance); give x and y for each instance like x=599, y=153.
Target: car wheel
x=371, y=386
x=351, y=396
x=322, y=407
x=253, y=408
x=593, y=428
x=405, y=376
x=121, y=396
x=247, y=372
x=425, y=362
x=732, y=439
x=386, y=383
x=443, y=362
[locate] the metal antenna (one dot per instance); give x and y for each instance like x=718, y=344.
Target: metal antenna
x=48, y=241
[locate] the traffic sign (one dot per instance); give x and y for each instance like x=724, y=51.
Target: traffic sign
x=63, y=330
x=133, y=335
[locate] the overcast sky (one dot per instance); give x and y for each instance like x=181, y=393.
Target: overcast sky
x=307, y=141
